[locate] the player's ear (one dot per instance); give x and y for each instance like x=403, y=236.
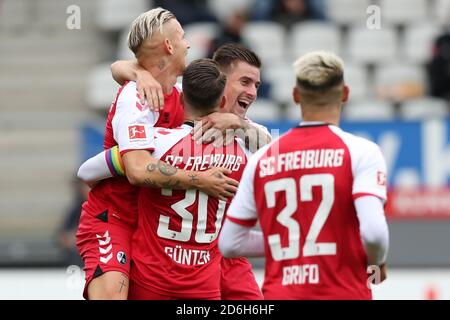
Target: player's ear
x=296, y=95
x=223, y=102
x=168, y=47
x=345, y=93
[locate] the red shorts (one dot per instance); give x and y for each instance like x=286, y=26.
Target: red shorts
x=137, y=292
x=104, y=244
x=237, y=281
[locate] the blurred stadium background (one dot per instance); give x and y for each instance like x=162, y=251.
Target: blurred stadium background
x=56, y=88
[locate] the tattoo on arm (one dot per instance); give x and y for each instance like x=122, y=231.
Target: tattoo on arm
x=123, y=283
x=172, y=184
x=194, y=179
x=166, y=169
x=150, y=183
x=151, y=167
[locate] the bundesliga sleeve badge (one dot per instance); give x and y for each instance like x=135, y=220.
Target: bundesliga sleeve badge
x=136, y=132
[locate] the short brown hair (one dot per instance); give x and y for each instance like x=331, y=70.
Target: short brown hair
x=203, y=85
x=230, y=53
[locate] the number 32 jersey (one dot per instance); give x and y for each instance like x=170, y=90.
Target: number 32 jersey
x=302, y=189
x=175, y=248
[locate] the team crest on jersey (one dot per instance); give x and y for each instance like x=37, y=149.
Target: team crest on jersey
x=121, y=257
x=381, y=178
x=137, y=132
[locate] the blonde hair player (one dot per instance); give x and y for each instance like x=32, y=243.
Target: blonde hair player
x=319, y=198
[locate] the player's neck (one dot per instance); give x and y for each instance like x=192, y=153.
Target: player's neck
x=167, y=81
x=326, y=117
x=191, y=116
x=163, y=73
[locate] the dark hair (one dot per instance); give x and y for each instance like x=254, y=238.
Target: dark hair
x=231, y=52
x=203, y=85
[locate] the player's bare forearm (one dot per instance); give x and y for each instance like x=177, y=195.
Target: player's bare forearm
x=144, y=170
x=124, y=70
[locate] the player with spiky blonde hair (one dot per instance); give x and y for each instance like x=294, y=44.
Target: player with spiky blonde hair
x=109, y=216
x=318, y=193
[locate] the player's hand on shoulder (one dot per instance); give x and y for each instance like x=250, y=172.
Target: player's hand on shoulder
x=150, y=90
x=216, y=126
x=216, y=183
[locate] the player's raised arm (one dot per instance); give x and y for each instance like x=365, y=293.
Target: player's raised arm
x=148, y=88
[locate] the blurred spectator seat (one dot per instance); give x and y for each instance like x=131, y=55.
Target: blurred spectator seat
x=123, y=52
x=282, y=79
x=400, y=12
x=311, y=36
x=264, y=110
x=102, y=89
x=267, y=39
x=114, y=15
x=441, y=11
x=418, y=42
x=399, y=82
x=347, y=11
x=14, y=14
x=372, y=46
x=200, y=36
x=423, y=108
x=370, y=110
x=223, y=9
x=357, y=79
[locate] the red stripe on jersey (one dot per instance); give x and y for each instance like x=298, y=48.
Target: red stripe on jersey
x=246, y=223
x=359, y=195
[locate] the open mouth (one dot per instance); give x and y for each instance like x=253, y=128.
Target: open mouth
x=243, y=104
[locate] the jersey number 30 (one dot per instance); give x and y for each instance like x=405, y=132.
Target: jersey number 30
x=187, y=217
x=289, y=186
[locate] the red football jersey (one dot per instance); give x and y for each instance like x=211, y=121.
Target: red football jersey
x=302, y=189
x=130, y=126
x=175, y=247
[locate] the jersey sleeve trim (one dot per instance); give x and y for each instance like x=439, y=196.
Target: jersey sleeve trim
x=365, y=194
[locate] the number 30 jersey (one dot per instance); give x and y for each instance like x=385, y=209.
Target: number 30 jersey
x=302, y=189
x=175, y=248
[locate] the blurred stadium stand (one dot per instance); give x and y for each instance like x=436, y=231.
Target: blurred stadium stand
x=55, y=88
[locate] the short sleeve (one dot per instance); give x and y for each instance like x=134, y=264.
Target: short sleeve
x=133, y=123
x=369, y=175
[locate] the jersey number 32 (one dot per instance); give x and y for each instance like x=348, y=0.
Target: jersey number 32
x=289, y=187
